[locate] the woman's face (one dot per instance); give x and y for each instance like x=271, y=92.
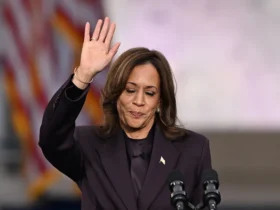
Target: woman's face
x=140, y=99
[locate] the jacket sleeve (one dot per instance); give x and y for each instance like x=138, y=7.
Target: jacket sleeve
x=204, y=164
x=59, y=136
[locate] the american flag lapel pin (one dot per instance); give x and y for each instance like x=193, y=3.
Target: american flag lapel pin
x=162, y=160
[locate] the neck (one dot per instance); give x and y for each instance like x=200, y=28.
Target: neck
x=138, y=133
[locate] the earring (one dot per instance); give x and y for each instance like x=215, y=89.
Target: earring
x=158, y=110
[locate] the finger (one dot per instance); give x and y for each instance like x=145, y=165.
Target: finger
x=114, y=50
x=97, y=29
x=104, y=30
x=110, y=34
x=86, y=32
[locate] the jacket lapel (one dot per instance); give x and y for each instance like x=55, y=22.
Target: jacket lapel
x=163, y=160
x=114, y=159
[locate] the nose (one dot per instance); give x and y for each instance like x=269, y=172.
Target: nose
x=139, y=98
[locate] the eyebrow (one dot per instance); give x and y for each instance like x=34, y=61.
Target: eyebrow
x=149, y=86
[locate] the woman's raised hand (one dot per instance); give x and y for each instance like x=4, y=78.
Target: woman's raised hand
x=97, y=51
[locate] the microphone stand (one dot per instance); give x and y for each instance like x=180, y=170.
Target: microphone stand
x=190, y=206
x=200, y=206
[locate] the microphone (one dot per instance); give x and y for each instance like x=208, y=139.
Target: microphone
x=176, y=186
x=211, y=184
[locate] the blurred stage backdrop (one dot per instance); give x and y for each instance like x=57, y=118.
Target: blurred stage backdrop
x=226, y=60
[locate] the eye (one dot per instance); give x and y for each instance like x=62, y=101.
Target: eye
x=130, y=90
x=150, y=93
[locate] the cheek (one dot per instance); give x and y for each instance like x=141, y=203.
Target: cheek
x=153, y=104
x=120, y=108
x=124, y=102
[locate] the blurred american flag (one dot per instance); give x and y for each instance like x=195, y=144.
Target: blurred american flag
x=42, y=46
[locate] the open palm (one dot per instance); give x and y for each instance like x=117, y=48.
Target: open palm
x=97, y=51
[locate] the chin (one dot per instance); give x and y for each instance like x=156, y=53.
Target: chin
x=135, y=125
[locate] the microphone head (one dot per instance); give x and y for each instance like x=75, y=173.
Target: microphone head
x=176, y=185
x=210, y=176
x=210, y=182
x=175, y=177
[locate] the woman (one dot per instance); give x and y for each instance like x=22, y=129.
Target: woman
x=123, y=163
